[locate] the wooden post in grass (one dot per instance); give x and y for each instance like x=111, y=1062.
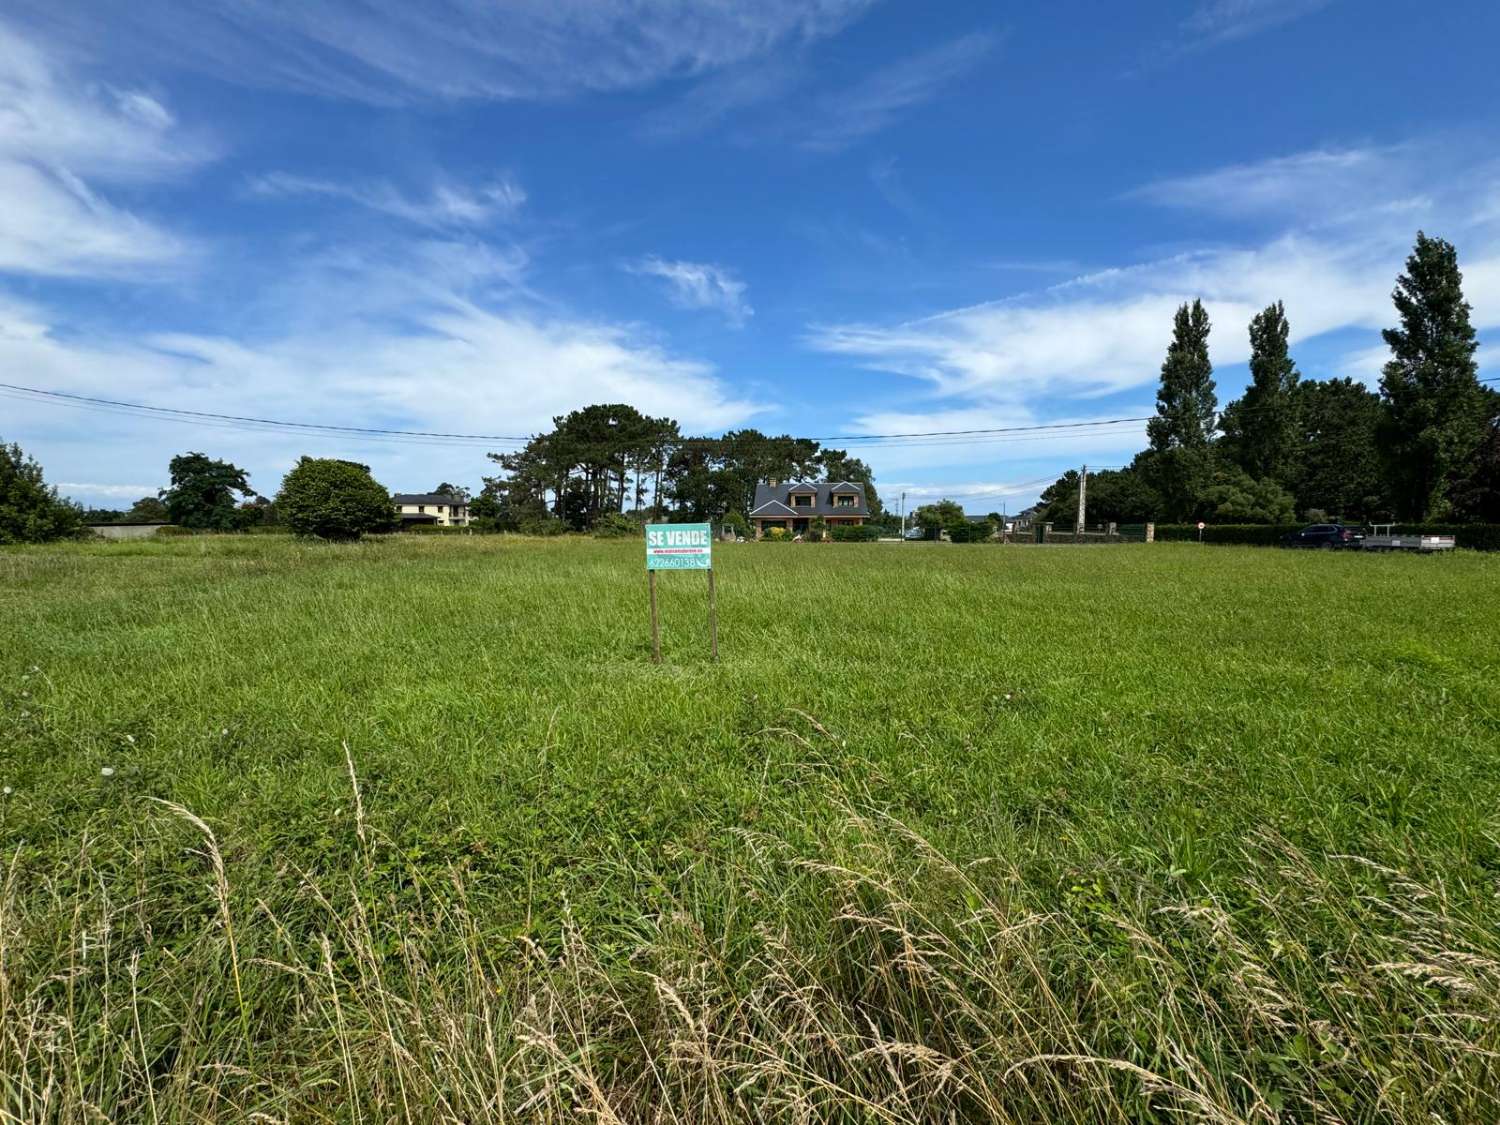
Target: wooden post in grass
x=713, y=619
x=655, y=631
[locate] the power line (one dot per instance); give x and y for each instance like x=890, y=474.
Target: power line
x=216, y=418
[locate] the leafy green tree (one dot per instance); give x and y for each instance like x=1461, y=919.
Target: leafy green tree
x=1115, y=496
x=456, y=491
x=1434, y=403
x=1339, y=467
x=1179, y=460
x=202, y=492
x=1261, y=429
x=334, y=499
x=1234, y=496
x=736, y=524
x=148, y=509
x=30, y=509
x=259, y=511
x=1476, y=495
x=936, y=518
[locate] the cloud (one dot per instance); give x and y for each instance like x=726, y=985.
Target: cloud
x=113, y=491
x=52, y=224
x=1325, y=185
x=708, y=102
x=699, y=285
x=425, y=336
x=1105, y=333
x=1220, y=21
x=392, y=52
x=58, y=133
x=839, y=119
x=446, y=205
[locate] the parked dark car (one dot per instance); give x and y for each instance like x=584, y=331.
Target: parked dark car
x=1331, y=536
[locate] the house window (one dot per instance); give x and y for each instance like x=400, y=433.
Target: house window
x=845, y=502
x=421, y=509
x=802, y=501
x=440, y=509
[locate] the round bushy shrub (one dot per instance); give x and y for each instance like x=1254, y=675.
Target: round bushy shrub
x=334, y=499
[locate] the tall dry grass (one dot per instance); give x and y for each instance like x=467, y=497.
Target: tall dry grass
x=863, y=978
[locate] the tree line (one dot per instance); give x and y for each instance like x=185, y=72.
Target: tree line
x=604, y=469
x=321, y=496
x=1425, y=447
x=609, y=465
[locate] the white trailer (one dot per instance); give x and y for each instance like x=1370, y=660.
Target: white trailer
x=1385, y=539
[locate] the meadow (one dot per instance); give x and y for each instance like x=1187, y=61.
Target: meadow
x=413, y=829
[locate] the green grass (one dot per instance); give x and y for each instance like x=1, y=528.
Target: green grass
x=950, y=833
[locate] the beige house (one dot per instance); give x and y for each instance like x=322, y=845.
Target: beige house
x=431, y=508
x=793, y=505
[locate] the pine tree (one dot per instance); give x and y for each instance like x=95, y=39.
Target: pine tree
x=1265, y=419
x=1180, y=460
x=1434, y=404
x=1185, y=402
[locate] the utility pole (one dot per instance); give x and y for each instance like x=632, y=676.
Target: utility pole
x=1083, y=488
x=903, y=517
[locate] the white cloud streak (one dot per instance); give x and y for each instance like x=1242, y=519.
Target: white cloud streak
x=394, y=52
x=58, y=133
x=1221, y=21
x=699, y=285
x=458, y=358
x=446, y=205
x=839, y=119
x=1106, y=332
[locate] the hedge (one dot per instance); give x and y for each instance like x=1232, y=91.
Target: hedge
x=854, y=533
x=1474, y=536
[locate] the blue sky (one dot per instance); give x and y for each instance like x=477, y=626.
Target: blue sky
x=836, y=217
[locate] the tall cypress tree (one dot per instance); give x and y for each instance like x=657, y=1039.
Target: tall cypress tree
x=1265, y=419
x=1434, y=404
x=1179, y=462
x=1185, y=401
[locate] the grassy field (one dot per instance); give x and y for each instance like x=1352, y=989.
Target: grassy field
x=414, y=830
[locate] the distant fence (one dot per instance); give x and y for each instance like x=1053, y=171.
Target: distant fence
x=1474, y=536
x=1093, y=533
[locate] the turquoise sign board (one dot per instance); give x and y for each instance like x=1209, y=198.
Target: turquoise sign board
x=679, y=546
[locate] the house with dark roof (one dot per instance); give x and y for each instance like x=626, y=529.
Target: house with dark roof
x=431, y=508
x=793, y=505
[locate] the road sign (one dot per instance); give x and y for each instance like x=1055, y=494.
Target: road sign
x=679, y=546
x=1201, y=525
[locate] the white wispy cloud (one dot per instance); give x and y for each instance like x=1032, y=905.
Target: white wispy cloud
x=699, y=285
x=840, y=118
x=109, y=491
x=709, y=101
x=1219, y=21
x=391, y=51
x=1106, y=332
x=1325, y=185
x=59, y=138
x=445, y=205
x=428, y=336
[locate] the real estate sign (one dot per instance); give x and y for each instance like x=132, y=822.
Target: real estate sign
x=679, y=546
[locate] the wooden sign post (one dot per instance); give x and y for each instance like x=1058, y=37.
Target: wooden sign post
x=681, y=546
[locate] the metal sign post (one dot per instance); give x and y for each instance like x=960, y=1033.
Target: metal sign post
x=681, y=546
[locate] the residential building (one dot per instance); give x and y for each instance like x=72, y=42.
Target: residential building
x=437, y=508
x=793, y=505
